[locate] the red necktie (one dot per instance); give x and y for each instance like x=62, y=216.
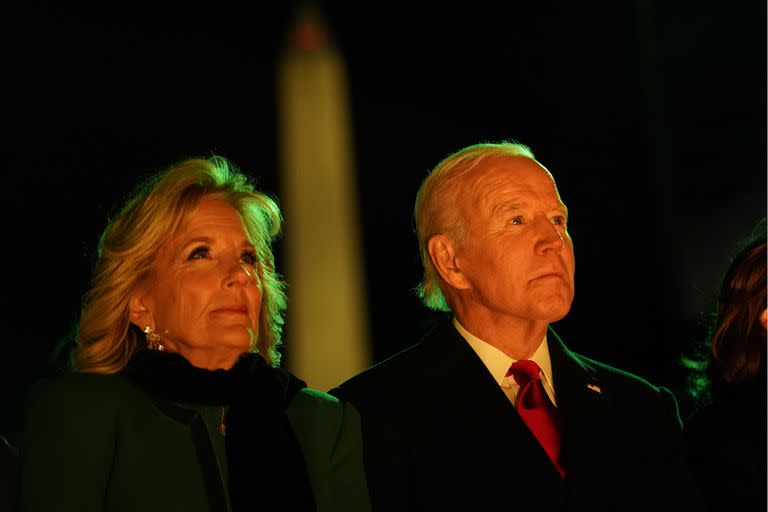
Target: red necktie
x=537, y=410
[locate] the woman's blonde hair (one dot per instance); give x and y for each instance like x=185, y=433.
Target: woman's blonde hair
x=106, y=339
x=435, y=211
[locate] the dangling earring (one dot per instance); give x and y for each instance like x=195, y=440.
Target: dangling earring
x=153, y=339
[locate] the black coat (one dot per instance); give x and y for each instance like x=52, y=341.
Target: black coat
x=727, y=445
x=440, y=434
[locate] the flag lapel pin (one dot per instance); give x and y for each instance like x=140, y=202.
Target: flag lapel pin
x=595, y=389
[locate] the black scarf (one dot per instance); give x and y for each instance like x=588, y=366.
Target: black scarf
x=265, y=461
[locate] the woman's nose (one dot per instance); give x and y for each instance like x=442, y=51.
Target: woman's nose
x=240, y=274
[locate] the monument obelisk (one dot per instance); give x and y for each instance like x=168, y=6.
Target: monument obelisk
x=327, y=325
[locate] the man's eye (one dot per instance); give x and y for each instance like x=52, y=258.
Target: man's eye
x=558, y=220
x=199, y=253
x=516, y=221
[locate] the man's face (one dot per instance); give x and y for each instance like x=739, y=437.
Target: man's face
x=517, y=257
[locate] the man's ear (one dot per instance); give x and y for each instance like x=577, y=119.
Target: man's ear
x=139, y=314
x=442, y=251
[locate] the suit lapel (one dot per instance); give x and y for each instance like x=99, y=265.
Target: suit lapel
x=475, y=409
x=583, y=402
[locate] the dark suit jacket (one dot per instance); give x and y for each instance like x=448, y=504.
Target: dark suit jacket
x=440, y=434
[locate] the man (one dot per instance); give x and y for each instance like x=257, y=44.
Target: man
x=491, y=411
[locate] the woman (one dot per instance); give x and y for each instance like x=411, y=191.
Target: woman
x=726, y=434
x=175, y=401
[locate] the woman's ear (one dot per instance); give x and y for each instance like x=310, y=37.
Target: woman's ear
x=442, y=251
x=139, y=314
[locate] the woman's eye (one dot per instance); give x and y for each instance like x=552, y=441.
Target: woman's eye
x=516, y=221
x=249, y=258
x=199, y=254
x=558, y=220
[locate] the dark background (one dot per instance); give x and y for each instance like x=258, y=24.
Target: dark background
x=650, y=114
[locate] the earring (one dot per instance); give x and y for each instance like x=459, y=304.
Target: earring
x=153, y=339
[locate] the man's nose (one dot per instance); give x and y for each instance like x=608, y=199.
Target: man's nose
x=551, y=238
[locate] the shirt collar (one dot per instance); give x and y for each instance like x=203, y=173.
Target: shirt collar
x=498, y=362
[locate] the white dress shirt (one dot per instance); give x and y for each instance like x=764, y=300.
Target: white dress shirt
x=498, y=363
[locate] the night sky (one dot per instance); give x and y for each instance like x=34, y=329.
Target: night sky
x=651, y=115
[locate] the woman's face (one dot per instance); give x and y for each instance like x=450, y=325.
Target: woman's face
x=204, y=295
